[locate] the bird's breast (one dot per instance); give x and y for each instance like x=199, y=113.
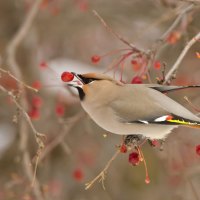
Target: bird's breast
x=103, y=116
x=106, y=119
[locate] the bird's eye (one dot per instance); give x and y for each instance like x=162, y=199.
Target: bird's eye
x=87, y=80
x=90, y=80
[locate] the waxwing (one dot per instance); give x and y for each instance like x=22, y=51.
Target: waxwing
x=132, y=109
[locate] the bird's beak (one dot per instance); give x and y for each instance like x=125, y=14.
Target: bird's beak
x=72, y=85
x=78, y=77
x=76, y=83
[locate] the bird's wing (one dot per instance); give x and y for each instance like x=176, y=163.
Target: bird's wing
x=146, y=105
x=169, y=88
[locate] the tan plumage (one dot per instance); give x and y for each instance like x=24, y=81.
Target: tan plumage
x=128, y=109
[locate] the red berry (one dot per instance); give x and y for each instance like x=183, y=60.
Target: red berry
x=43, y=65
x=34, y=114
x=136, y=80
x=198, y=149
x=37, y=85
x=37, y=101
x=83, y=5
x=67, y=76
x=157, y=64
x=147, y=180
x=78, y=174
x=123, y=148
x=173, y=37
x=44, y=4
x=134, y=62
x=136, y=65
x=60, y=109
x=134, y=158
x=198, y=54
x=95, y=59
x=155, y=143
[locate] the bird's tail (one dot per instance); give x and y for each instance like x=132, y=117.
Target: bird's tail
x=194, y=125
x=182, y=121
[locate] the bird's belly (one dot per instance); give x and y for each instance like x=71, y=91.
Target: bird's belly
x=107, y=120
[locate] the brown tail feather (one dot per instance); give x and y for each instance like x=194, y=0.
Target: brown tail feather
x=194, y=126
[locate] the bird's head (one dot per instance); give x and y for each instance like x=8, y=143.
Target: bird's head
x=92, y=83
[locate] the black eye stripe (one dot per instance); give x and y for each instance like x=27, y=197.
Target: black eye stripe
x=87, y=80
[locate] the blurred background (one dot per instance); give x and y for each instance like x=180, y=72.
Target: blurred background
x=64, y=35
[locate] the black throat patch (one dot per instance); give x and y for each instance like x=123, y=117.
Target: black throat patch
x=81, y=93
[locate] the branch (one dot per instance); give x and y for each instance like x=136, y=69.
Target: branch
x=18, y=81
x=18, y=38
x=101, y=175
x=196, y=196
x=181, y=56
x=38, y=136
x=23, y=129
x=176, y=22
x=59, y=138
x=133, y=47
x=26, y=116
x=191, y=1
x=163, y=18
x=157, y=45
x=195, y=108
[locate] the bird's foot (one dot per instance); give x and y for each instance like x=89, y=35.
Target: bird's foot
x=132, y=140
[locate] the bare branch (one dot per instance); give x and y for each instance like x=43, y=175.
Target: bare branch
x=191, y=1
x=17, y=80
x=15, y=69
x=196, y=196
x=101, y=175
x=19, y=36
x=181, y=56
x=59, y=138
x=195, y=108
x=65, y=147
x=133, y=47
x=26, y=156
x=26, y=116
x=163, y=18
x=157, y=45
x=176, y=22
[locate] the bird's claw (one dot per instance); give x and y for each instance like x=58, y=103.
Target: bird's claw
x=132, y=140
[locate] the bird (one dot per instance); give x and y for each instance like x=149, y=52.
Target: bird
x=132, y=109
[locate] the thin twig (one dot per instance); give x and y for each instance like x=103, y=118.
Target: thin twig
x=176, y=22
x=18, y=38
x=191, y=1
x=133, y=47
x=26, y=155
x=15, y=69
x=65, y=147
x=157, y=45
x=193, y=189
x=101, y=175
x=181, y=56
x=192, y=105
x=59, y=138
x=19, y=81
x=35, y=170
x=165, y=17
x=26, y=116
